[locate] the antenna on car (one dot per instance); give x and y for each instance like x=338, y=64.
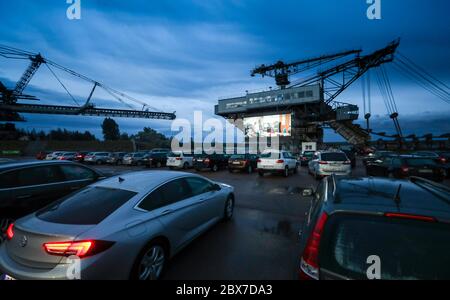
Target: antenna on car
x=121, y=179
x=397, y=195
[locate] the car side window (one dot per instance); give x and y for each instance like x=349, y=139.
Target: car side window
x=396, y=162
x=39, y=175
x=9, y=180
x=198, y=186
x=77, y=173
x=171, y=192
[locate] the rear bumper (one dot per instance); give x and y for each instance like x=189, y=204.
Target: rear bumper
x=97, y=267
x=329, y=173
x=176, y=164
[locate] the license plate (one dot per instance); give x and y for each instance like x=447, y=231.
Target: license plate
x=7, y=277
x=425, y=171
x=200, y=160
x=236, y=163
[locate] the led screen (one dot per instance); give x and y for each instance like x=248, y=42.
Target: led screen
x=268, y=126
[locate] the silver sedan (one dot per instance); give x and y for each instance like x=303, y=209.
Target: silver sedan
x=124, y=227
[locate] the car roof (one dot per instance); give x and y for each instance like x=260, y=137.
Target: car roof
x=30, y=163
x=372, y=194
x=142, y=181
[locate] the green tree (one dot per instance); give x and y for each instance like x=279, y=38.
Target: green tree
x=110, y=129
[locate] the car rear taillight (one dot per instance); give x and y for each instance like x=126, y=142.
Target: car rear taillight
x=404, y=169
x=322, y=162
x=10, y=231
x=309, y=266
x=258, y=160
x=280, y=161
x=207, y=160
x=179, y=158
x=442, y=160
x=410, y=217
x=78, y=248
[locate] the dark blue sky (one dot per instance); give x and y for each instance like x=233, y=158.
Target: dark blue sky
x=183, y=55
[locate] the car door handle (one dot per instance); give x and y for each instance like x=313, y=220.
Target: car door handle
x=23, y=196
x=74, y=188
x=202, y=200
x=166, y=212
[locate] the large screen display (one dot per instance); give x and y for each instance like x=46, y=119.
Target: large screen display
x=268, y=126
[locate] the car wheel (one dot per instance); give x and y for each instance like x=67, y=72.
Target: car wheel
x=261, y=173
x=99, y=162
x=185, y=166
x=296, y=169
x=229, y=208
x=151, y=262
x=250, y=169
x=158, y=164
x=286, y=172
x=139, y=163
x=230, y=170
x=215, y=168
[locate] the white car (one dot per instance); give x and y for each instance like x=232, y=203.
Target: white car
x=98, y=158
x=325, y=163
x=53, y=155
x=67, y=156
x=277, y=162
x=179, y=160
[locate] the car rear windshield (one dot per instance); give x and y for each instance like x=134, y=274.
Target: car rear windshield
x=407, y=249
x=333, y=157
x=275, y=155
x=90, y=206
x=174, y=154
x=308, y=154
x=416, y=162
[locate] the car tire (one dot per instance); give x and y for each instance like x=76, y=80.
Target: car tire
x=260, y=173
x=154, y=251
x=99, y=162
x=296, y=169
x=158, y=164
x=229, y=208
x=286, y=171
x=139, y=163
x=215, y=168
x=185, y=166
x=230, y=170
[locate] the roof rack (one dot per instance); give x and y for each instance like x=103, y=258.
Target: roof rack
x=415, y=179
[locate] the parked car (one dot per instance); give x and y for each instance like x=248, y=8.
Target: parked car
x=133, y=159
x=243, y=162
x=179, y=160
x=28, y=186
x=98, y=158
x=41, y=155
x=53, y=155
x=405, y=166
x=213, y=162
x=139, y=219
x=155, y=159
x=354, y=222
x=375, y=156
x=116, y=158
x=325, y=163
x=275, y=161
x=444, y=158
x=305, y=157
x=79, y=157
x=351, y=155
x=67, y=156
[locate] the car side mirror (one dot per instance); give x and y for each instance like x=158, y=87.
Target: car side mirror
x=216, y=187
x=308, y=192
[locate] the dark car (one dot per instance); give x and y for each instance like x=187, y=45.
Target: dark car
x=305, y=157
x=351, y=155
x=213, y=162
x=116, y=158
x=79, y=157
x=41, y=155
x=406, y=166
x=243, y=162
x=371, y=157
x=155, y=159
x=444, y=159
x=28, y=186
x=376, y=228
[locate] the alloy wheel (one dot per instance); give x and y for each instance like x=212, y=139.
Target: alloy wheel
x=152, y=263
